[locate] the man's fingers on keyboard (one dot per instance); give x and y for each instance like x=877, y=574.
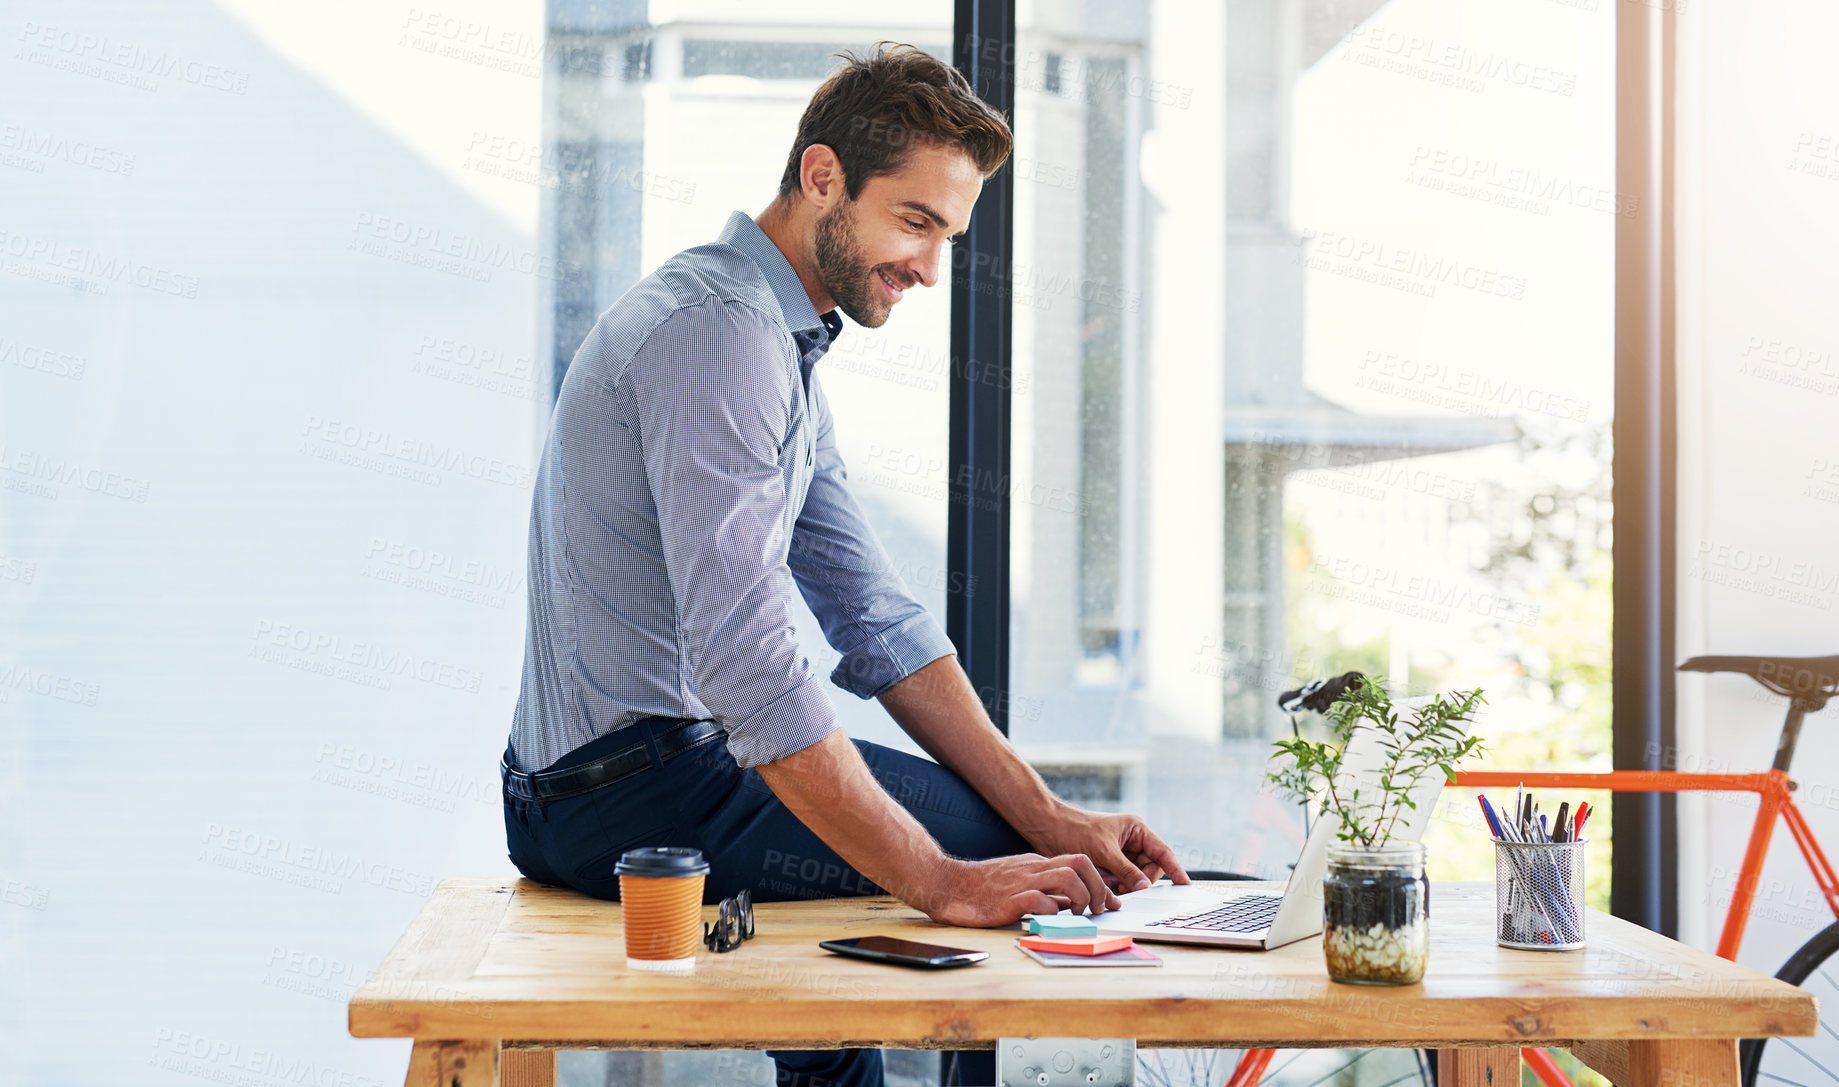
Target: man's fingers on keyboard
x=1165, y=857
x=1036, y=902
x=1128, y=875
x=1151, y=870
x=1064, y=880
x=1102, y=898
x=1090, y=888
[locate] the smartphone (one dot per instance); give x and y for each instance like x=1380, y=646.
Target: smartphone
x=905, y=952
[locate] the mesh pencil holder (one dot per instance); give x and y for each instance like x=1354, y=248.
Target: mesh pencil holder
x=1539, y=895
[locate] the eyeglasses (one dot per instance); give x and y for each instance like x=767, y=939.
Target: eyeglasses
x=733, y=924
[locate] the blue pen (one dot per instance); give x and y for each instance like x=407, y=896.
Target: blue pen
x=1501, y=825
x=1487, y=811
x=1494, y=824
x=1545, y=829
x=1494, y=819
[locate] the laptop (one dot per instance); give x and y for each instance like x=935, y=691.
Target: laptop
x=1259, y=914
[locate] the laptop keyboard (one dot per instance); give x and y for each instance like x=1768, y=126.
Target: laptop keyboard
x=1246, y=914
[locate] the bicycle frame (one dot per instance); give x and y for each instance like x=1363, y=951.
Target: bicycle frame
x=1776, y=792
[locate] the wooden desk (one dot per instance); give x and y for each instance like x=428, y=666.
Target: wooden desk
x=496, y=975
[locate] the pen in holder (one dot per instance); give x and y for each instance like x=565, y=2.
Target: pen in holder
x=1539, y=895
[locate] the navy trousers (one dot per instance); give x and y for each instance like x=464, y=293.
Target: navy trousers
x=701, y=798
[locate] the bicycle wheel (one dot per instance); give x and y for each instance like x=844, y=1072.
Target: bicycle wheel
x=1770, y=1062
x=1386, y=1067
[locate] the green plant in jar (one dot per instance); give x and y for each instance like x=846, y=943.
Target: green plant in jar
x=1375, y=898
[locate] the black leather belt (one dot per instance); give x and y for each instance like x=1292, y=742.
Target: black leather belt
x=673, y=737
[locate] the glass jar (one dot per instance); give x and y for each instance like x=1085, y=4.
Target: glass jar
x=1376, y=913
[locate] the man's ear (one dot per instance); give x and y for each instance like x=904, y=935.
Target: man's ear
x=820, y=176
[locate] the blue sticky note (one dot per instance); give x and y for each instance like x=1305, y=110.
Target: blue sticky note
x=1067, y=926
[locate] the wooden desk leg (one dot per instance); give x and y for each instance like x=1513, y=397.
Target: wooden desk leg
x=527, y=1068
x=453, y=1064
x=1683, y=1062
x=1493, y=1067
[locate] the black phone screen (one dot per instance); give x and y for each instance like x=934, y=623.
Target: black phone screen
x=912, y=952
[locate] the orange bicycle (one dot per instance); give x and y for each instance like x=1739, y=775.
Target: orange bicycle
x=1807, y=683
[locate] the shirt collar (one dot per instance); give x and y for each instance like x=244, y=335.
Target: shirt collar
x=744, y=234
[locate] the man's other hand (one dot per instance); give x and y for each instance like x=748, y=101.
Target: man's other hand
x=999, y=891
x=1127, y=853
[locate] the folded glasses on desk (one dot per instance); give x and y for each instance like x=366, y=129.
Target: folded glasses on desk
x=733, y=924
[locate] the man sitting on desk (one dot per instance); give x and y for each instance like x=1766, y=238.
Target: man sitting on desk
x=689, y=483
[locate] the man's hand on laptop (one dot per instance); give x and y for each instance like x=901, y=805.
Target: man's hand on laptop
x=1088, y=858
x=999, y=891
x=1128, y=854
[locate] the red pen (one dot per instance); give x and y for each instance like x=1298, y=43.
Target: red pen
x=1583, y=812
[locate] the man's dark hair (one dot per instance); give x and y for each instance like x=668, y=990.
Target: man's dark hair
x=874, y=110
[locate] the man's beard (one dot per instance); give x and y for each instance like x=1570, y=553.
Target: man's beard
x=845, y=273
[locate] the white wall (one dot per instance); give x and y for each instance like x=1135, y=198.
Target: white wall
x=209, y=501
x=1758, y=227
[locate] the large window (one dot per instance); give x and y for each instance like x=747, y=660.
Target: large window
x=1314, y=374
x=1314, y=354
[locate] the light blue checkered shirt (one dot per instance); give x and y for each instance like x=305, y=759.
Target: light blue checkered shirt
x=690, y=480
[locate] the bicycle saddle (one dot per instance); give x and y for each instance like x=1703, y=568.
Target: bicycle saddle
x=1809, y=677
x=1321, y=694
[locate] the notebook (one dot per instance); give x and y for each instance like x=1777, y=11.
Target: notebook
x=1129, y=956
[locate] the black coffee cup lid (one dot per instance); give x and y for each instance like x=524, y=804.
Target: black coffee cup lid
x=662, y=860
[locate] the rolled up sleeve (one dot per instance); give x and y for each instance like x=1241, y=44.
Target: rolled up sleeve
x=850, y=583
x=712, y=401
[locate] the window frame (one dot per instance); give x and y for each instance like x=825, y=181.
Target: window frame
x=982, y=367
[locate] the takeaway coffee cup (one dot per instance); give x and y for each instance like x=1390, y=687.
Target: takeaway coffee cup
x=660, y=891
